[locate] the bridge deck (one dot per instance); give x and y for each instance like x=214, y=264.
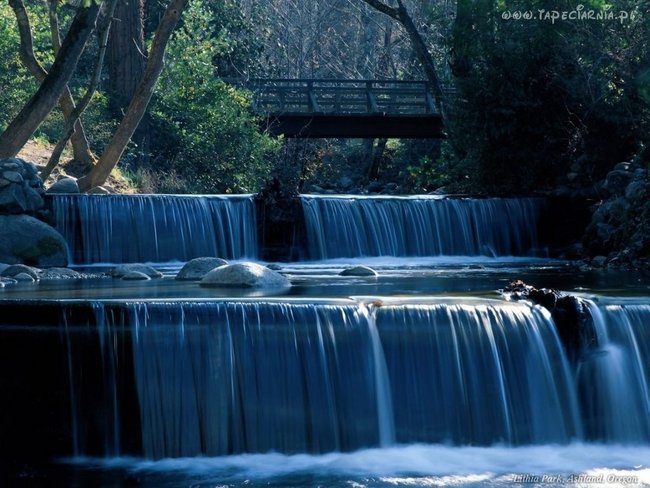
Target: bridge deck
x=346, y=108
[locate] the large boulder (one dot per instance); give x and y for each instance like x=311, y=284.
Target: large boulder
x=196, y=269
x=21, y=189
x=244, y=275
x=27, y=240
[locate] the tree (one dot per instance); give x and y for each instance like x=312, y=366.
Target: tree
x=401, y=15
x=126, y=53
x=31, y=116
x=80, y=145
x=73, y=118
x=140, y=101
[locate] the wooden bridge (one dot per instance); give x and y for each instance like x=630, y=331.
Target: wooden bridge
x=346, y=108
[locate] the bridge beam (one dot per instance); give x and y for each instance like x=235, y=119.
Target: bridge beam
x=354, y=126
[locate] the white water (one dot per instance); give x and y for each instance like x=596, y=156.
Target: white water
x=412, y=465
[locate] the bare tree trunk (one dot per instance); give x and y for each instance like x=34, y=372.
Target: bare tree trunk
x=401, y=15
x=126, y=62
x=43, y=101
x=126, y=56
x=80, y=146
x=140, y=100
x=68, y=130
x=79, y=141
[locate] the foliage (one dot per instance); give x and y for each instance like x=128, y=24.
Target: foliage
x=17, y=84
x=538, y=100
x=206, y=137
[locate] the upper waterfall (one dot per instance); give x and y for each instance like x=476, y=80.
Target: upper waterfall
x=354, y=226
x=156, y=228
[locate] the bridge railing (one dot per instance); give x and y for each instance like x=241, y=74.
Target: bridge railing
x=341, y=97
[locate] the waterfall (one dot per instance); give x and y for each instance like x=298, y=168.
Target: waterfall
x=216, y=378
x=230, y=377
x=613, y=376
x=155, y=228
x=353, y=226
x=477, y=374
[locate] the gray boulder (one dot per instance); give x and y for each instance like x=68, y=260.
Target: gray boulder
x=65, y=184
x=124, y=269
x=196, y=269
x=135, y=276
x=16, y=269
x=25, y=239
x=244, y=275
x=359, y=271
x=24, y=278
x=21, y=189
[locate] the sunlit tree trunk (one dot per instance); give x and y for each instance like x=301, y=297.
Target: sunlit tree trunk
x=140, y=101
x=22, y=127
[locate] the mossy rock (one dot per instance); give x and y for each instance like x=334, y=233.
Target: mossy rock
x=27, y=240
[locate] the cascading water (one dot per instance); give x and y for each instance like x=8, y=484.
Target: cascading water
x=155, y=228
x=352, y=226
x=217, y=378
x=613, y=376
x=478, y=374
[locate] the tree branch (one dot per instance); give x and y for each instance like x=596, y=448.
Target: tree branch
x=140, y=100
x=385, y=9
x=68, y=130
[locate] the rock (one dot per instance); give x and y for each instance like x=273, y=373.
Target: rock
x=314, y=189
x=375, y=187
x=570, y=315
x=3, y=266
x=64, y=184
x=59, y=274
x=12, y=176
x=345, y=183
x=99, y=190
x=392, y=186
x=135, y=276
x=617, y=180
x=244, y=275
x=21, y=189
x=24, y=277
x=124, y=269
x=625, y=166
x=598, y=261
x=274, y=266
x=27, y=240
x=16, y=269
x=637, y=190
x=571, y=176
x=8, y=281
x=359, y=271
x=196, y=269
